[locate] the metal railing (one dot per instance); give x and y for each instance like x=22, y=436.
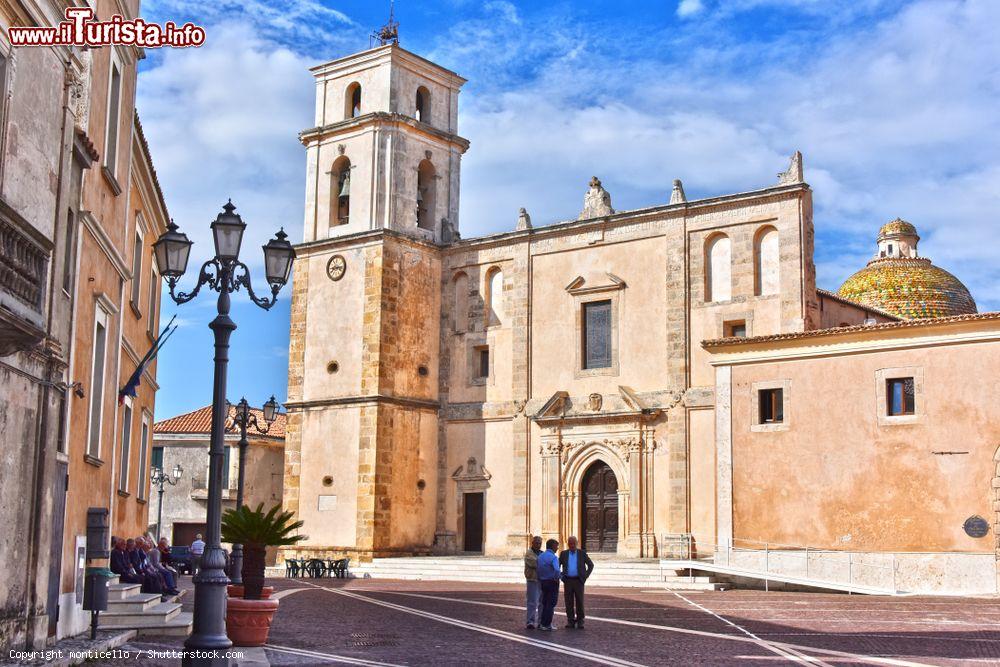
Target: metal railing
x=772, y=560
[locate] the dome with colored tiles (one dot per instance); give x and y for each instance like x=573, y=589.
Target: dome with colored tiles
x=901, y=282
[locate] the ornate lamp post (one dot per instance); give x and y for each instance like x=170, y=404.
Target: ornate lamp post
x=159, y=478
x=243, y=418
x=225, y=274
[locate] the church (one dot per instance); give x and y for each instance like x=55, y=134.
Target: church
x=657, y=381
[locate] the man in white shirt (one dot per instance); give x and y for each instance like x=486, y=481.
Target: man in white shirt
x=197, y=549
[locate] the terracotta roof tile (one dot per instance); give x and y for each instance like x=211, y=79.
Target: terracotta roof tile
x=200, y=421
x=904, y=324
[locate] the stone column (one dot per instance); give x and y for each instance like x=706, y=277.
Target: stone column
x=648, y=533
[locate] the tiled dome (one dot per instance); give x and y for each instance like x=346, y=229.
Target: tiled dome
x=907, y=285
x=897, y=226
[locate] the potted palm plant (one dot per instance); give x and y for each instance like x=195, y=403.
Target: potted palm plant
x=248, y=619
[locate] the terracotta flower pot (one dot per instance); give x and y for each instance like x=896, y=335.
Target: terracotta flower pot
x=248, y=622
x=236, y=591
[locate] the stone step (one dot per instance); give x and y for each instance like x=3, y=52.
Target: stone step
x=178, y=626
x=122, y=591
x=138, y=602
x=156, y=616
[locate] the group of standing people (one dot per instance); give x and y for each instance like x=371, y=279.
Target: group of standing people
x=140, y=561
x=543, y=570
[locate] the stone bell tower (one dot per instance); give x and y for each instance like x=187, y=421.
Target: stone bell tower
x=385, y=153
x=383, y=162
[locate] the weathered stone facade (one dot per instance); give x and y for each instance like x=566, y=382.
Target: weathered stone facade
x=426, y=370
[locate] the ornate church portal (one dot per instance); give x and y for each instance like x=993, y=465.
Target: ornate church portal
x=597, y=474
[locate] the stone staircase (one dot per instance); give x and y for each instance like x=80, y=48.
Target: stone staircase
x=131, y=609
x=638, y=573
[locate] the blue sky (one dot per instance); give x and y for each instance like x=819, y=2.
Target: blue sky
x=893, y=104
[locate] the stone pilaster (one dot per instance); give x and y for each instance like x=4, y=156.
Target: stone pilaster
x=675, y=431
x=517, y=304
x=296, y=378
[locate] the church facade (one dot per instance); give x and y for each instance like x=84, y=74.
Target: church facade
x=451, y=395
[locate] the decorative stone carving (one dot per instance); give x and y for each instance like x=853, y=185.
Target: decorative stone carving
x=793, y=174
x=597, y=201
x=471, y=471
x=523, y=220
x=341, y=149
x=519, y=404
x=594, y=402
x=80, y=91
x=677, y=195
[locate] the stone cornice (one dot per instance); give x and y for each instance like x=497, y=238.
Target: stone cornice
x=106, y=245
x=388, y=52
x=859, y=339
x=381, y=119
x=401, y=401
x=621, y=218
x=359, y=239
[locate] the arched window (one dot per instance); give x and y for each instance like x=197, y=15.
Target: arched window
x=426, y=191
x=423, y=105
x=352, y=101
x=340, y=191
x=718, y=269
x=461, y=285
x=766, y=261
x=494, y=296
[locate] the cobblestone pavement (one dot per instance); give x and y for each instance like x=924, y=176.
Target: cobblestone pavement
x=379, y=622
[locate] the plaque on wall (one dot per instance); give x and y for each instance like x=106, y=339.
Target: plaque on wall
x=976, y=526
x=327, y=503
x=336, y=267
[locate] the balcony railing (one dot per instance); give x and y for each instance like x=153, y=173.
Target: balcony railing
x=22, y=266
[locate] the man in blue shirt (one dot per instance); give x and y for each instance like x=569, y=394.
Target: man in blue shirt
x=548, y=579
x=576, y=567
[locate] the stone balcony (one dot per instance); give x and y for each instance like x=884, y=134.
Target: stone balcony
x=23, y=277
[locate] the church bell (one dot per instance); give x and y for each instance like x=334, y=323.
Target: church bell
x=345, y=184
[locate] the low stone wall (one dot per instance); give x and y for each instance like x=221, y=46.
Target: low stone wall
x=925, y=573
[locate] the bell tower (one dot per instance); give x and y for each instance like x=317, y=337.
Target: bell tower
x=385, y=153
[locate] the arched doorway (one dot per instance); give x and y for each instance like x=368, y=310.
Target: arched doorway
x=599, y=509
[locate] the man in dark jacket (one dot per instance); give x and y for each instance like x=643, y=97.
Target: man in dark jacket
x=121, y=565
x=576, y=567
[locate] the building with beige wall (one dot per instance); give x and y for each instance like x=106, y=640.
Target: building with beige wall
x=452, y=395
x=184, y=440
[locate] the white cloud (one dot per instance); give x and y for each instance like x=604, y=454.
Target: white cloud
x=895, y=116
x=222, y=122
x=689, y=8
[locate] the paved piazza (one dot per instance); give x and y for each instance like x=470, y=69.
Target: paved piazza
x=380, y=622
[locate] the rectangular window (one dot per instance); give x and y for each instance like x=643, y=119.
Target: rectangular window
x=126, y=446
x=597, y=334
x=483, y=359
x=136, y=267
x=140, y=490
x=899, y=395
x=114, y=113
x=735, y=329
x=772, y=408
x=157, y=460
x=152, y=325
x=97, y=383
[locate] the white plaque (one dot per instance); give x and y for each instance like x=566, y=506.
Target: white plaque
x=327, y=503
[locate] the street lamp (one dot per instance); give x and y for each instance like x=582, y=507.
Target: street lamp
x=225, y=274
x=159, y=478
x=243, y=418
